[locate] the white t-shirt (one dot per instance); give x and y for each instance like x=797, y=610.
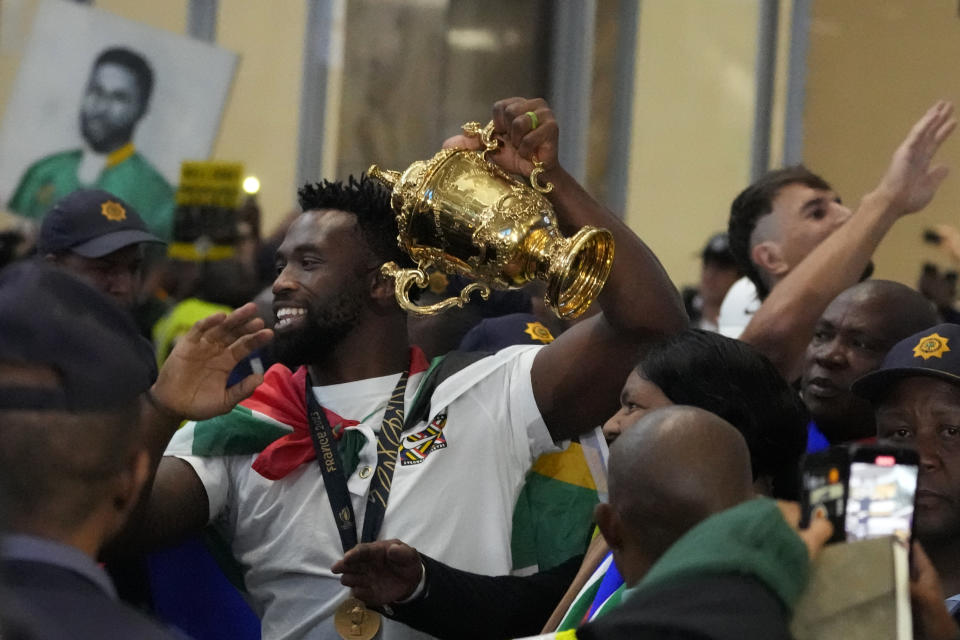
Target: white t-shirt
x=737, y=308
x=454, y=502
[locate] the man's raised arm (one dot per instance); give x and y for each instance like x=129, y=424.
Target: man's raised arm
x=577, y=378
x=783, y=326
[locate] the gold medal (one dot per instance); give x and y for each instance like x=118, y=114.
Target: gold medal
x=355, y=622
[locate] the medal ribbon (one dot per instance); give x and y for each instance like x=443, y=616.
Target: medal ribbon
x=334, y=477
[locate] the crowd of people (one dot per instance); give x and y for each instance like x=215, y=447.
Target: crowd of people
x=363, y=486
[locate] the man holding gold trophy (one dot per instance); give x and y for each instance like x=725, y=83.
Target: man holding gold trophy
x=366, y=440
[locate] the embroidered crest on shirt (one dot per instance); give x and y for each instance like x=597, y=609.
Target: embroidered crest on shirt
x=932, y=346
x=418, y=446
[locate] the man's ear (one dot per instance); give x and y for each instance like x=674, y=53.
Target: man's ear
x=125, y=489
x=609, y=523
x=131, y=482
x=382, y=287
x=768, y=257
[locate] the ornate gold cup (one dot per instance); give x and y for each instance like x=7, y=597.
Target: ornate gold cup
x=462, y=214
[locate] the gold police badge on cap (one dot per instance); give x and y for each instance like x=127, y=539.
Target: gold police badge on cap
x=113, y=211
x=438, y=282
x=539, y=332
x=931, y=346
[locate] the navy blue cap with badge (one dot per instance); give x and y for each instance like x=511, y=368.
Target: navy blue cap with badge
x=92, y=223
x=934, y=352
x=50, y=319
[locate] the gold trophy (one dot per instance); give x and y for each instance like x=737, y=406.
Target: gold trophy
x=462, y=214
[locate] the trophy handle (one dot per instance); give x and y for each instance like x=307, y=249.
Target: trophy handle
x=473, y=129
x=406, y=278
x=547, y=187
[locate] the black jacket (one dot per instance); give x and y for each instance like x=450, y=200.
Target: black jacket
x=458, y=605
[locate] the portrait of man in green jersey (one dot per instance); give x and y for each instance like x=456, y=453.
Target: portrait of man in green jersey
x=115, y=99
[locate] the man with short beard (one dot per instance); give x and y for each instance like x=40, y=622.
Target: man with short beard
x=114, y=102
x=367, y=440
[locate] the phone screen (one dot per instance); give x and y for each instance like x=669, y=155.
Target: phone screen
x=824, y=488
x=880, y=498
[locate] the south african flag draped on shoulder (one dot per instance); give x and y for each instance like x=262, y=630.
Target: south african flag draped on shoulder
x=553, y=515
x=273, y=423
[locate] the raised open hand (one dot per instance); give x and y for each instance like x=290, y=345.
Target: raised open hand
x=192, y=381
x=910, y=182
x=380, y=572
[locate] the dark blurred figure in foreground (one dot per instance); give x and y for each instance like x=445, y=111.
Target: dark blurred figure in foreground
x=73, y=368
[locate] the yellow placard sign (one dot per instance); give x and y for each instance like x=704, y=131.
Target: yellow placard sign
x=211, y=184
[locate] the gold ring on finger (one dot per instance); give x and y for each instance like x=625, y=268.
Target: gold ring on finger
x=534, y=121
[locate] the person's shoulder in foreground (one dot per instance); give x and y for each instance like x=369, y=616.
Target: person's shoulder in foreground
x=71, y=370
x=735, y=575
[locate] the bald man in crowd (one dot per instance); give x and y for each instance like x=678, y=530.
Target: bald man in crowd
x=700, y=558
x=850, y=340
x=675, y=467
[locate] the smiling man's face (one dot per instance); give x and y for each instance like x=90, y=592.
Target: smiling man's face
x=321, y=289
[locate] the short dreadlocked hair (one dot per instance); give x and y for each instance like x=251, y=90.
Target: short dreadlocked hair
x=753, y=203
x=370, y=203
